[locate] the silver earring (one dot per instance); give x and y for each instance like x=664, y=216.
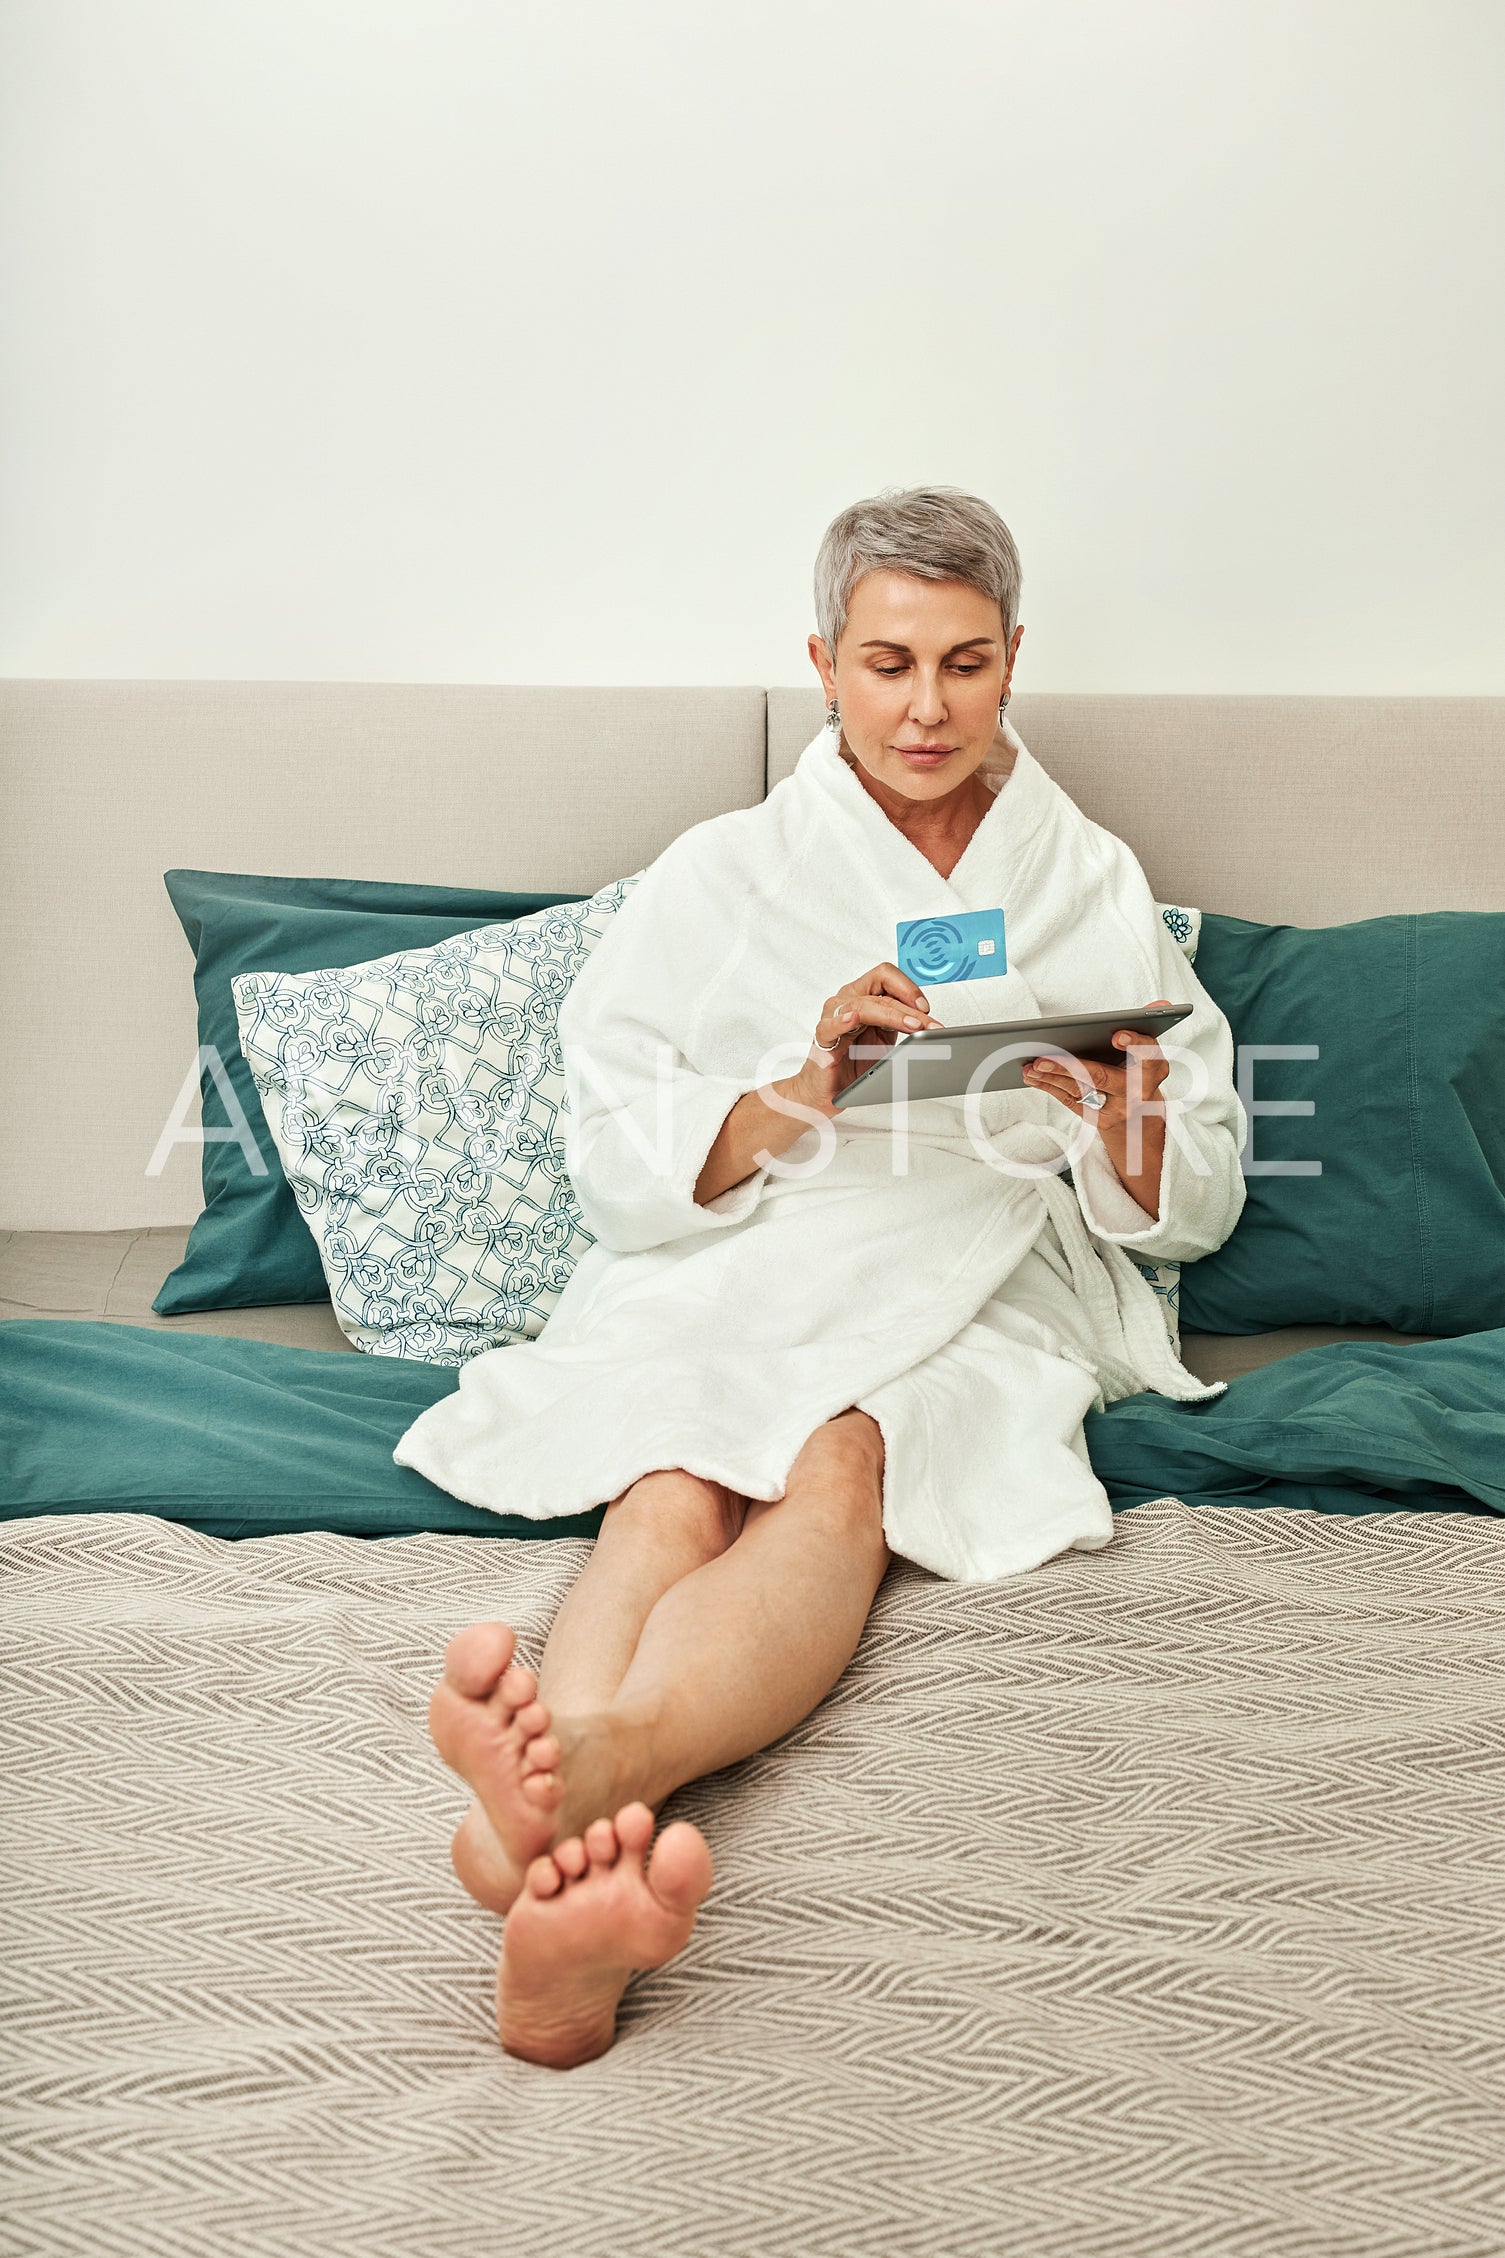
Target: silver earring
x=1003, y=701
x=833, y=715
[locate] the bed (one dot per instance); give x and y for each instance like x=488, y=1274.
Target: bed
x=1148, y=1903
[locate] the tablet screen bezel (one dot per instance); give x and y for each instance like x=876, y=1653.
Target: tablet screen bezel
x=1029, y=1034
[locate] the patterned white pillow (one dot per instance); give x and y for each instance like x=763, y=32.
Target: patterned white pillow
x=417, y=1104
x=1185, y=929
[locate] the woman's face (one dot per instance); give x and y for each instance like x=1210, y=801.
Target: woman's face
x=919, y=671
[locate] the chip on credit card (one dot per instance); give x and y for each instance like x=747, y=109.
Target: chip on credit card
x=966, y=946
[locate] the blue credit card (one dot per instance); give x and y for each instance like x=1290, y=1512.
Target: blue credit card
x=968, y=946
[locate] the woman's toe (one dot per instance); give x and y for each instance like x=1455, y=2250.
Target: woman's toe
x=476, y=1657
x=679, y=1872
x=601, y=1842
x=570, y=1857
x=634, y=1827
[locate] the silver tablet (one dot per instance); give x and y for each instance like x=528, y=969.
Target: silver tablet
x=941, y=1062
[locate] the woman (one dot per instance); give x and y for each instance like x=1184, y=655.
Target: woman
x=806, y=1339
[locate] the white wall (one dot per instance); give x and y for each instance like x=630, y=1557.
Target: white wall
x=482, y=340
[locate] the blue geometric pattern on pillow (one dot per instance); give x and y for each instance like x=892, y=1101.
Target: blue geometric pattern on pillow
x=418, y=1105
x=1165, y=1277
x=1185, y=929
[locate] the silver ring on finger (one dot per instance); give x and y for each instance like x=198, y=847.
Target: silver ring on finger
x=1094, y=1100
x=819, y=1051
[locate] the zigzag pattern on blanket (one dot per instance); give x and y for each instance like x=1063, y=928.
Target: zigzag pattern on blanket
x=1139, y=1905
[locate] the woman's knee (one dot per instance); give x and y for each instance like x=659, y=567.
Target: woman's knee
x=855, y=1439
x=680, y=1511
x=842, y=1461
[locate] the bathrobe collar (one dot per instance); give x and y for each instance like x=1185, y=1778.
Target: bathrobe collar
x=1019, y=807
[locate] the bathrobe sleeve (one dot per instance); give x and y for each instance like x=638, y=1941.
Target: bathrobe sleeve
x=1201, y=1182
x=644, y=1108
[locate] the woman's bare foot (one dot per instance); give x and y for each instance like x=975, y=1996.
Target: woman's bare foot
x=482, y=1865
x=588, y=1917
x=484, y=1717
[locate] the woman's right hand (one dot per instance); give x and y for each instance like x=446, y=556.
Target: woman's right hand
x=870, y=1012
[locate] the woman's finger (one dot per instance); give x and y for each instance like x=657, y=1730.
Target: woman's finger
x=1059, y=1082
x=1123, y=1036
x=849, y=1010
x=893, y=982
x=834, y=1037
x=881, y=1011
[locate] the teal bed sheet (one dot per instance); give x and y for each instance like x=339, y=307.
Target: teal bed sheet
x=1359, y=1427
x=235, y=1438
x=248, y=1439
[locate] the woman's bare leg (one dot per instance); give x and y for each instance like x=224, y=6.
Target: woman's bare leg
x=736, y=1653
x=659, y=1531
x=731, y=1656
x=728, y=1657
x=662, y=1528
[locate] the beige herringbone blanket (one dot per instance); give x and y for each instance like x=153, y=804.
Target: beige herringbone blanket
x=1152, y=1903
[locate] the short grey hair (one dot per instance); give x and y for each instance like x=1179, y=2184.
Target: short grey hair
x=934, y=532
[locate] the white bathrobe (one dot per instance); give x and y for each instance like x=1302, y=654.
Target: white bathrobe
x=976, y=1314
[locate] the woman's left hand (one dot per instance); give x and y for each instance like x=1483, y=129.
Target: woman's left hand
x=1111, y=1082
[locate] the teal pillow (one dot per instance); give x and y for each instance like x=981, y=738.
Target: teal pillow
x=1405, y=1225
x=251, y=1246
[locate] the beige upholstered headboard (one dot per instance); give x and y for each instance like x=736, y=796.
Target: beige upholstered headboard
x=108, y=784
x=1302, y=810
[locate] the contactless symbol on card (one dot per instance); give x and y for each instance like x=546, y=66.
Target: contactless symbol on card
x=968, y=946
